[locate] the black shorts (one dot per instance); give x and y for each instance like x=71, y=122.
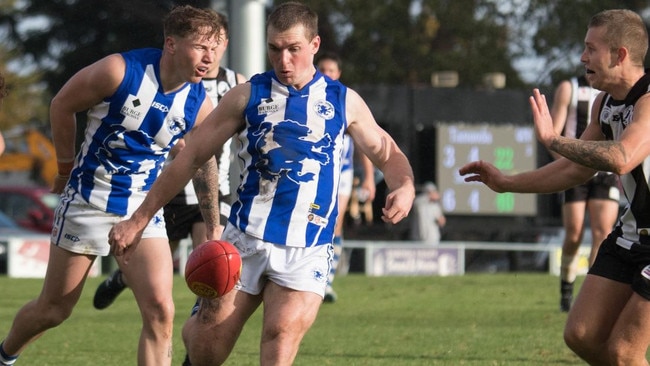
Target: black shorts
x=179, y=220
x=601, y=186
x=622, y=265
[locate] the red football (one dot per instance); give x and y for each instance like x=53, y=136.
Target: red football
x=213, y=268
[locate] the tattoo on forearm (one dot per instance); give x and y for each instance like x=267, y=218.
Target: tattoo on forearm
x=206, y=185
x=598, y=155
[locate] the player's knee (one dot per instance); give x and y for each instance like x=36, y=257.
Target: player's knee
x=52, y=315
x=159, y=311
x=623, y=353
x=575, y=338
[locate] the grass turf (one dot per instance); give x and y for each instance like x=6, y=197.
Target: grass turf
x=475, y=319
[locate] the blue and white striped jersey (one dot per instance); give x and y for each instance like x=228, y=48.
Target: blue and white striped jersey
x=130, y=133
x=291, y=161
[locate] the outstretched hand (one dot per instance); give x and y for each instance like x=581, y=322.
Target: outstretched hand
x=484, y=172
x=542, y=118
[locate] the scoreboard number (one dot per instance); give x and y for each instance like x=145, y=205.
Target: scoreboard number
x=511, y=148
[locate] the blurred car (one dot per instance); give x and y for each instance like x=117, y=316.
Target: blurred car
x=30, y=207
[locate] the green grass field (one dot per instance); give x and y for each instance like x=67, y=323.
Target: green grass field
x=475, y=319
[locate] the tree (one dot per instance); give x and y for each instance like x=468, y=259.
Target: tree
x=66, y=35
x=405, y=41
x=26, y=98
x=560, y=30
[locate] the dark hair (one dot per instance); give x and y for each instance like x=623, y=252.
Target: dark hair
x=185, y=20
x=625, y=28
x=289, y=14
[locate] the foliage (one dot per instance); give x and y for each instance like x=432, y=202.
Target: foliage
x=69, y=35
x=381, y=42
x=475, y=319
x=390, y=42
x=561, y=28
x=26, y=99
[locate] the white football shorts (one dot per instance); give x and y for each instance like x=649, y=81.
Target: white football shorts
x=82, y=228
x=297, y=268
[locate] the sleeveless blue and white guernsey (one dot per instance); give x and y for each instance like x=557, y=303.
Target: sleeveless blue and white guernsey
x=615, y=116
x=291, y=161
x=130, y=133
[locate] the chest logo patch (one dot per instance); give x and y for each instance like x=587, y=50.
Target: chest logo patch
x=324, y=109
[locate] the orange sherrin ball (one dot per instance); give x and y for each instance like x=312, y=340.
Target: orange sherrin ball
x=213, y=268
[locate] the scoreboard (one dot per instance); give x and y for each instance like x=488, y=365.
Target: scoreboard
x=511, y=148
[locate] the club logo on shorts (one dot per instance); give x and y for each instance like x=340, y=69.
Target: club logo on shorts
x=319, y=275
x=645, y=272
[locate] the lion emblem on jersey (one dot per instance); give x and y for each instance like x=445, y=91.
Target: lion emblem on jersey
x=120, y=151
x=290, y=149
x=324, y=109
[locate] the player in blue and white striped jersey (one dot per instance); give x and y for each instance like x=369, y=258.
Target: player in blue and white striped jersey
x=139, y=103
x=290, y=123
x=182, y=213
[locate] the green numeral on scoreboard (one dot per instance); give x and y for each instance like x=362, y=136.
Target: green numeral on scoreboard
x=505, y=202
x=503, y=158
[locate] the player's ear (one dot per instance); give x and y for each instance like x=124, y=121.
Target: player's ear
x=170, y=44
x=315, y=44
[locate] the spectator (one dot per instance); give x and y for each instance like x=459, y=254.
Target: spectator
x=427, y=217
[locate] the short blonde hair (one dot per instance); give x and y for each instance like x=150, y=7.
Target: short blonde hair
x=625, y=28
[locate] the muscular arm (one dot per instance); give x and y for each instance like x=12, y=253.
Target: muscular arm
x=619, y=156
x=84, y=90
x=206, y=186
x=383, y=151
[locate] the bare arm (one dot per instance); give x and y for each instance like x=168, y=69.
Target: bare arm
x=84, y=90
x=2, y=144
x=206, y=184
x=556, y=176
x=591, y=149
x=382, y=150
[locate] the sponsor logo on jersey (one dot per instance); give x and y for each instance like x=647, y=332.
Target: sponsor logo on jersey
x=317, y=220
x=267, y=107
x=159, y=106
x=131, y=108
